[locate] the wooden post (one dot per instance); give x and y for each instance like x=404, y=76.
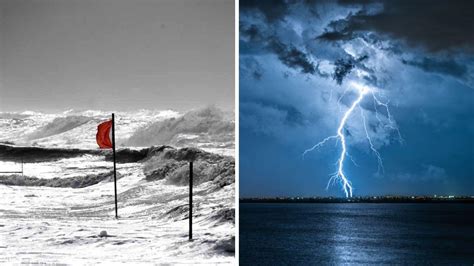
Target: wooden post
x=115, y=169
x=190, y=200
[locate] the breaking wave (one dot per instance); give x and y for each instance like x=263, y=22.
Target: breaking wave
x=72, y=182
x=58, y=126
x=161, y=162
x=209, y=124
x=13, y=116
x=37, y=154
x=173, y=166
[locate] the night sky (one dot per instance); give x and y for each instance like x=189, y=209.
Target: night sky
x=298, y=60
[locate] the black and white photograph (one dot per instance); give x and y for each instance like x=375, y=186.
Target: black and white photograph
x=117, y=132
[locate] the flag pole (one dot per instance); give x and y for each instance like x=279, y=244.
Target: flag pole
x=190, y=200
x=115, y=175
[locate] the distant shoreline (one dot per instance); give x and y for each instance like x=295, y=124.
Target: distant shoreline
x=385, y=199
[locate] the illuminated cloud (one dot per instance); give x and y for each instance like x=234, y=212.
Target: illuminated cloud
x=297, y=60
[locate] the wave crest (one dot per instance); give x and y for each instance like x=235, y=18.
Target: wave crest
x=59, y=125
x=173, y=166
x=209, y=124
x=72, y=182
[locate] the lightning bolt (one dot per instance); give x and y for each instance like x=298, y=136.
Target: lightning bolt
x=339, y=175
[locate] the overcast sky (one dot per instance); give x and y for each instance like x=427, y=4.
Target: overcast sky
x=116, y=54
x=298, y=60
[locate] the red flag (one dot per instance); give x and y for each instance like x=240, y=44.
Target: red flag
x=103, y=135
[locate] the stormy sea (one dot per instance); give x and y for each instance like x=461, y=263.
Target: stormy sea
x=57, y=203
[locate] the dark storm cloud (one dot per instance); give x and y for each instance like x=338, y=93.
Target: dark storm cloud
x=257, y=71
x=257, y=74
x=436, y=25
x=273, y=10
x=296, y=63
x=344, y=66
x=292, y=116
x=337, y=30
x=292, y=56
x=335, y=36
x=252, y=68
x=250, y=31
x=447, y=67
x=288, y=54
x=253, y=39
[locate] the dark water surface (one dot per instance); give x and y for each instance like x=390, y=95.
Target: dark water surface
x=357, y=233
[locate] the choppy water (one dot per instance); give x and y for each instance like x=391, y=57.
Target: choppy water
x=208, y=128
x=55, y=215
x=321, y=234
x=54, y=211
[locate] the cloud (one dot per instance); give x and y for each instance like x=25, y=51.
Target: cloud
x=344, y=66
x=427, y=173
x=250, y=31
x=290, y=114
x=442, y=66
x=436, y=25
x=273, y=10
x=433, y=172
x=254, y=39
x=335, y=36
x=262, y=119
x=296, y=63
x=292, y=57
x=250, y=67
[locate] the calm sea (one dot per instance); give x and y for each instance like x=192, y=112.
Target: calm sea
x=366, y=233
